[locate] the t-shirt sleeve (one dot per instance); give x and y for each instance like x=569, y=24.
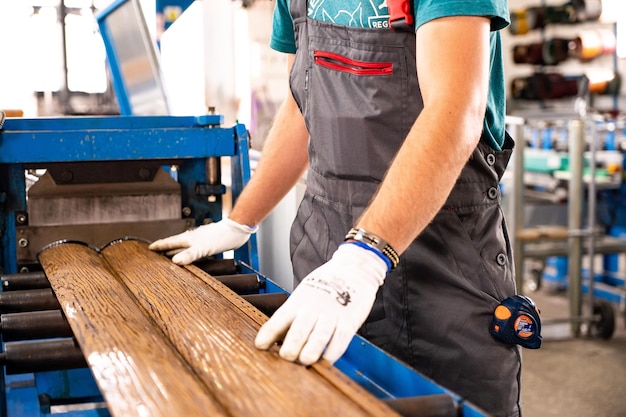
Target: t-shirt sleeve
x=497, y=10
x=282, y=38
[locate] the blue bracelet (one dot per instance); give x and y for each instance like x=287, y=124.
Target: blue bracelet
x=371, y=249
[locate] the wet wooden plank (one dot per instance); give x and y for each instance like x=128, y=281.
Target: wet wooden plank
x=215, y=334
x=137, y=370
x=338, y=379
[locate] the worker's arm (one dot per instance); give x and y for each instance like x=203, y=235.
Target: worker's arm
x=324, y=312
x=283, y=162
x=453, y=58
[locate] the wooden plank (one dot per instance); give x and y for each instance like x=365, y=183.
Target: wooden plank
x=217, y=340
x=137, y=370
x=326, y=370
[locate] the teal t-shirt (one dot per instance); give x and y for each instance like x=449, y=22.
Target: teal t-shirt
x=374, y=14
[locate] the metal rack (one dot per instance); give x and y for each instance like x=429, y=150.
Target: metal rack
x=573, y=241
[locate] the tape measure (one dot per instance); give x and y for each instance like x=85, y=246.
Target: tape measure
x=516, y=321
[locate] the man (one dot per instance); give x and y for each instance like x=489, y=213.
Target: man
x=397, y=165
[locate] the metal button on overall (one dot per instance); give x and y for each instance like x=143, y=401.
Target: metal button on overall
x=501, y=259
x=492, y=193
x=491, y=159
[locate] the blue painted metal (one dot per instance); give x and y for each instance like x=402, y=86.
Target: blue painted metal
x=240, y=177
x=72, y=383
x=21, y=397
x=113, y=138
x=555, y=272
x=114, y=64
x=185, y=140
x=31, y=395
x=163, y=5
x=387, y=378
x=607, y=285
x=12, y=201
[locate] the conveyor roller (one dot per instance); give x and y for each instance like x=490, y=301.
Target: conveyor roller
x=242, y=284
x=41, y=356
x=217, y=266
x=268, y=303
x=24, y=281
x=34, y=325
x=28, y=300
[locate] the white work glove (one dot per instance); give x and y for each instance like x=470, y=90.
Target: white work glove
x=206, y=240
x=325, y=311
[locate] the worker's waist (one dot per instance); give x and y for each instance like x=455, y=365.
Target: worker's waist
x=473, y=188
x=347, y=191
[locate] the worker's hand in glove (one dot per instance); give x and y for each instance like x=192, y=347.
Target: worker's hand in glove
x=206, y=240
x=325, y=311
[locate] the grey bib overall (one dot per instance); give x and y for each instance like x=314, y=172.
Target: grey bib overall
x=357, y=89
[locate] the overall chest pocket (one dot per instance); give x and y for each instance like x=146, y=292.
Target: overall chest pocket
x=339, y=62
x=361, y=103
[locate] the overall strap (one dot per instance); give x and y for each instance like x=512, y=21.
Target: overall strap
x=298, y=9
x=401, y=14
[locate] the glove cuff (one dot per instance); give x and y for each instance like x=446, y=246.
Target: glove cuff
x=240, y=227
x=374, y=251
x=364, y=257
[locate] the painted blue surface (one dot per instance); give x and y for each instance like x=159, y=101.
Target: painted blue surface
x=113, y=138
x=184, y=140
x=72, y=383
x=77, y=386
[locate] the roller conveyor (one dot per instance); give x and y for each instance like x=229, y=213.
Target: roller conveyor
x=63, y=353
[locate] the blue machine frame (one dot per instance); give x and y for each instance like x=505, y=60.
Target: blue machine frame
x=189, y=140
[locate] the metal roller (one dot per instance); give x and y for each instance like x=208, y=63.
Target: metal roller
x=28, y=300
x=24, y=281
x=435, y=405
x=242, y=284
x=34, y=325
x=217, y=267
x=268, y=303
x=41, y=356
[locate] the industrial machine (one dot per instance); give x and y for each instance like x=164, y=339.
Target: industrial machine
x=107, y=177
x=144, y=174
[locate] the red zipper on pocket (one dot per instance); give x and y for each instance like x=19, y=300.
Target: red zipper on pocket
x=352, y=66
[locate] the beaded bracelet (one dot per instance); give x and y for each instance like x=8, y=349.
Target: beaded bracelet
x=375, y=242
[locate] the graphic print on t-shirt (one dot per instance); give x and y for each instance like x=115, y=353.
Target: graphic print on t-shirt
x=371, y=14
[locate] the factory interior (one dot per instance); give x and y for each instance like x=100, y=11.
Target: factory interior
x=127, y=121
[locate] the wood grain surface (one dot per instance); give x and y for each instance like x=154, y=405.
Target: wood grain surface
x=137, y=370
x=210, y=328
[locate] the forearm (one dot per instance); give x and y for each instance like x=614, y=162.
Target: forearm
x=283, y=162
x=420, y=179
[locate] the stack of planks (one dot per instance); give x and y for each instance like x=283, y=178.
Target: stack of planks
x=165, y=340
